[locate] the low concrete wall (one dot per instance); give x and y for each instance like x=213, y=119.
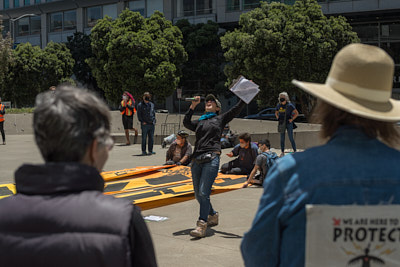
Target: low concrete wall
x=306, y=135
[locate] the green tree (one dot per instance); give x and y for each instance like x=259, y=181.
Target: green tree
x=5, y=58
x=34, y=70
x=277, y=43
x=24, y=80
x=57, y=65
x=80, y=47
x=203, y=72
x=136, y=54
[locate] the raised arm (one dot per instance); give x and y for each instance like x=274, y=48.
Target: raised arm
x=233, y=112
x=187, y=121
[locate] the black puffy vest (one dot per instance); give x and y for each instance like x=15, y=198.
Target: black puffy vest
x=59, y=217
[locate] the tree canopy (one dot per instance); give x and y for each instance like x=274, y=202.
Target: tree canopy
x=5, y=57
x=203, y=72
x=80, y=47
x=34, y=70
x=277, y=43
x=136, y=54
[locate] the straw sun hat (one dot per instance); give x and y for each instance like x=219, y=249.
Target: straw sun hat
x=360, y=82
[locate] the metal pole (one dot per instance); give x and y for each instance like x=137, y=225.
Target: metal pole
x=179, y=127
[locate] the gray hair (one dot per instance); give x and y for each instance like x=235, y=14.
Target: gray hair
x=67, y=121
x=285, y=94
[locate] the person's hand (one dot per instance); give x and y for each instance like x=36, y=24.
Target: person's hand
x=143, y=123
x=195, y=102
x=290, y=120
x=246, y=184
x=230, y=154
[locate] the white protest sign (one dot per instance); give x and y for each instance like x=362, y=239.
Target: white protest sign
x=364, y=236
x=245, y=89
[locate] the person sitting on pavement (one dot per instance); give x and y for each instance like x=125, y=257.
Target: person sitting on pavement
x=264, y=161
x=180, y=150
x=358, y=164
x=227, y=138
x=59, y=215
x=246, y=153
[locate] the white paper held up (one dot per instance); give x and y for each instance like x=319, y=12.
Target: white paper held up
x=245, y=89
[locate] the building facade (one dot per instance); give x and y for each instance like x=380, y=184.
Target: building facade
x=377, y=22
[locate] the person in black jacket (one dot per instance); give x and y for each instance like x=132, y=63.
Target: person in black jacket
x=147, y=117
x=206, y=155
x=59, y=215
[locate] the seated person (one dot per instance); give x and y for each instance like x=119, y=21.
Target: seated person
x=227, y=137
x=246, y=152
x=264, y=162
x=180, y=150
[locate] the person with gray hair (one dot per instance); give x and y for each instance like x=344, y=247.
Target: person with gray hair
x=59, y=216
x=286, y=113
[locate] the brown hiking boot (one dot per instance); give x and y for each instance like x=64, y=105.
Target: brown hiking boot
x=212, y=220
x=200, y=230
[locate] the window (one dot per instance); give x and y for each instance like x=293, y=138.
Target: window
x=138, y=6
x=38, y=1
x=63, y=21
x=16, y=3
x=367, y=32
x=35, y=25
x=6, y=27
x=6, y=4
x=27, y=2
x=152, y=6
x=187, y=8
x=111, y=11
x=203, y=7
x=249, y=4
x=23, y=27
x=93, y=14
x=69, y=20
x=56, y=22
x=232, y=5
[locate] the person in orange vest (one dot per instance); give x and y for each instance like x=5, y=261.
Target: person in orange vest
x=2, y=112
x=127, y=108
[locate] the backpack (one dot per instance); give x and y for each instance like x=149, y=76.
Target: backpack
x=271, y=158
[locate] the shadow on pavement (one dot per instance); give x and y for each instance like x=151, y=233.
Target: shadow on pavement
x=210, y=232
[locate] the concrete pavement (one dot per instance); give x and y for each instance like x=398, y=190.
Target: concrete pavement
x=173, y=244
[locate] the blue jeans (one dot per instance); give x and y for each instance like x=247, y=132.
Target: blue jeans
x=147, y=132
x=203, y=176
x=289, y=128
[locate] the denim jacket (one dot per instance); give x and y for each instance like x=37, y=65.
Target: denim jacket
x=350, y=169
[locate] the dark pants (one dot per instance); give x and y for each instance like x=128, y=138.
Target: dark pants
x=289, y=128
x=203, y=176
x=233, y=167
x=2, y=131
x=147, y=132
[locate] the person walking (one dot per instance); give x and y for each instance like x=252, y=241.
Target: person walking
x=286, y=113
x=2, y=113
x=147, y=117
x=59, y=215
x=206, y=155
x=357, y=165
x=127, y=109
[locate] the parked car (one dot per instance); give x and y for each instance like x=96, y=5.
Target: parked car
x=269, y=114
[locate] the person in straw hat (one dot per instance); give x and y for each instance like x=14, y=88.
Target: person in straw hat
x=355, y=166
